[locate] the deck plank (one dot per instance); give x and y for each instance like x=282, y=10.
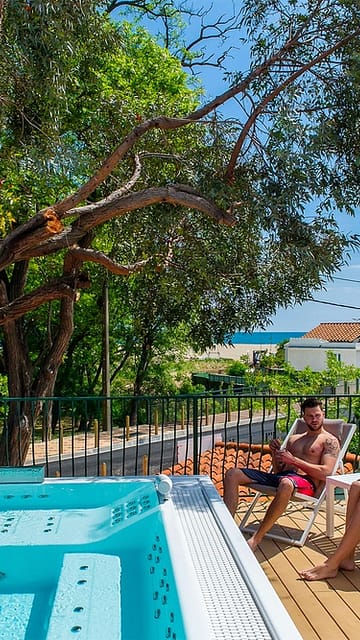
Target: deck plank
x=323, y=625
x=327, y=594
x=283, y=589
x=322, y=609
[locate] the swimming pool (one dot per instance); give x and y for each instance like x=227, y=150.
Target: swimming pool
x=104, y=559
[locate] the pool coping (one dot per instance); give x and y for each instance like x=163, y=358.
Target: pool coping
x=240, y=600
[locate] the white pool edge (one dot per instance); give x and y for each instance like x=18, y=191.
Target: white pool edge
x=277, y=619
x=192, y=604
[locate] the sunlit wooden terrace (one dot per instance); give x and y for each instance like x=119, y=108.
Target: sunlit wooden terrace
x=323, y=610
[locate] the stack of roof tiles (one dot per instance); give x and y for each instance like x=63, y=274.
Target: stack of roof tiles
x=215, y=462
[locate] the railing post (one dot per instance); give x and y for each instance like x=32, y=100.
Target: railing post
x=61, y=439
x=182, y=417
x=96, y=433
x=195, y=436
x=145, y=465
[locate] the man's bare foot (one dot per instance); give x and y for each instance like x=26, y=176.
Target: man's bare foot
x=252, y=544
x=321, y=572
x=327, y=570
x=348, y=565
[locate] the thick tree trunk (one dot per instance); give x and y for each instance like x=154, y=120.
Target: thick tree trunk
x=24, y=383
x=140, y=375
x=17, y=430
x=16, y=436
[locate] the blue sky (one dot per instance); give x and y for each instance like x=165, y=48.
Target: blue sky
x=342, y=290
x=306, y=316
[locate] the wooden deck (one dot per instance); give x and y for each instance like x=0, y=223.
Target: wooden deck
x=322, y=610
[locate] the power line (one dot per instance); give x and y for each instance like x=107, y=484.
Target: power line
x=334, y=304
x=346, y=279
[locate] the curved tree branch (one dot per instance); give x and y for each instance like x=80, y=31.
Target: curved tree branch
x=39, y=228
x=55, y=290
x=270, y=96
x=98, y=257
x=166, y=124
x=95, y=214
x=162, y=122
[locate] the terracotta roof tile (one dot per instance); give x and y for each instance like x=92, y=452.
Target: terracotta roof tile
x=336, y=332
x=215, y=462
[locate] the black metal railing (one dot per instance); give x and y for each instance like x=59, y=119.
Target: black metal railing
x=126, y=435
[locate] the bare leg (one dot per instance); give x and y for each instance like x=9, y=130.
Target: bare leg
x=353, y=507
x=233, y=479
x=275, y=510
x=343, y=557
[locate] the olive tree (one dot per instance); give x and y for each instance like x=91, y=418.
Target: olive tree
x=234, y=219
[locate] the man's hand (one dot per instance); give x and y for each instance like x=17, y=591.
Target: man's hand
x=285, y=457
x=275, y=450
x=274, y=445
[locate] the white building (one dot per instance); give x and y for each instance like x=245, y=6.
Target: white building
x=342, y=338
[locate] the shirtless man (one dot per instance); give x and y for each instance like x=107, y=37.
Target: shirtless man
x=343, y=557
x=302, y=466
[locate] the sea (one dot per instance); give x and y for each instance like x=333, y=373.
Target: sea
x=265, y=337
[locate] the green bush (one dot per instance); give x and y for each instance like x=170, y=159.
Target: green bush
x=238, y=368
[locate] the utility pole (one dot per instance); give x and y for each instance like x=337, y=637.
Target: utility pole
x=106, y=391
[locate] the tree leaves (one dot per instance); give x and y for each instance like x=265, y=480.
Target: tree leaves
x=100, y=126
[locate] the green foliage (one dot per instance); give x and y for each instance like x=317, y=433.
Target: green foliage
x=337, y=371
x=238, y=368
x=73, y=84
x=289, y=381
x=3, y=385
x=91, y=83
x=188, y=388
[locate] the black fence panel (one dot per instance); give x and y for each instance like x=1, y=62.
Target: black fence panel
x=147, y=435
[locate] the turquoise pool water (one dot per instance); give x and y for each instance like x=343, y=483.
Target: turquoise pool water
x=50, y=536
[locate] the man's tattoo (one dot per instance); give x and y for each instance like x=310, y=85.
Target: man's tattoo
x=331, y=447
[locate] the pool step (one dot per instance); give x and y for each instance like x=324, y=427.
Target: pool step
x=15, y=610
x=26, y=519
x=22, y=475
x=87, y=599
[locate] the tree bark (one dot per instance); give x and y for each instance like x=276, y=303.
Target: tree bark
x=23, y=385
x=140, y=374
